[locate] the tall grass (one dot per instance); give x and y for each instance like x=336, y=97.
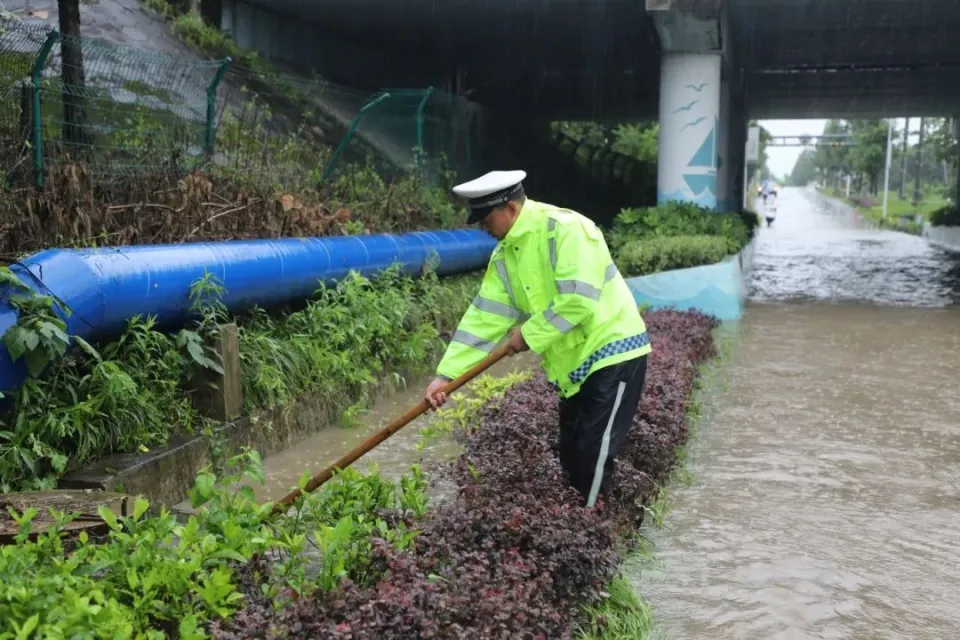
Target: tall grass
x=134, y=393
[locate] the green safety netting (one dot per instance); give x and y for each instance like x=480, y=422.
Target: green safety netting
x=427, y=131
x=131, y=111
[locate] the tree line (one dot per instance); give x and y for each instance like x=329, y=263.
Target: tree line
x=923, y=156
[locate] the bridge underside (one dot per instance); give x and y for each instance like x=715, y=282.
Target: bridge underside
x=578, y=59
x=553, y=59
x=848, y=58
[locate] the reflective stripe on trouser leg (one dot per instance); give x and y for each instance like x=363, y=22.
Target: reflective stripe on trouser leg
x=605, y=448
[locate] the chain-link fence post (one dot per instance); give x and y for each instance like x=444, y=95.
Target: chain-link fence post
x=211, y=128
x=37, y=117
x=420, y=148
x=377, y=99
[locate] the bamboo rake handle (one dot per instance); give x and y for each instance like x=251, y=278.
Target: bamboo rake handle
x=375, y=439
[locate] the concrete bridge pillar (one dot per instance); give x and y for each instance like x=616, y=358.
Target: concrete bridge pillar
x=955, y=131
x=690, y=89
x=737, y=154
x=734, y=115
x=724, y=147
x=689, y=123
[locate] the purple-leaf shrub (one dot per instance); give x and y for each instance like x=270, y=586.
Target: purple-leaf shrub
x=515, y=554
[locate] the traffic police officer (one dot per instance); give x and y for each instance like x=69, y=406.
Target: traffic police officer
x=552, y=273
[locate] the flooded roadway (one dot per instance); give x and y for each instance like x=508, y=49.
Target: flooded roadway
x=826, y=480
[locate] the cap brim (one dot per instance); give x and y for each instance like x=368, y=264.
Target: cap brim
x=477, y=215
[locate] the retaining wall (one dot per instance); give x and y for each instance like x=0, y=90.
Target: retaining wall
x=944, y=237
x=718, y=289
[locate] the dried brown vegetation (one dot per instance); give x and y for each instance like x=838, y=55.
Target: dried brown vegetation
x=76, y=208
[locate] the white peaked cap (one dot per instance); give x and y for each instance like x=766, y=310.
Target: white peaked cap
x=490, y=183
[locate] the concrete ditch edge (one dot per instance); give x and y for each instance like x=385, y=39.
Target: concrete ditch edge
x=165, y=475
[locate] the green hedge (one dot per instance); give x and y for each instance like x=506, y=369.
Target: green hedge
x=682, y=219
x=640, y=257
x=676, y=235
x=948, y=216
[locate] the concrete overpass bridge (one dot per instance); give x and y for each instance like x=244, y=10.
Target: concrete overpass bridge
x=703, y=67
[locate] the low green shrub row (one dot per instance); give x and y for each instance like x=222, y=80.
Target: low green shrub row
x=134, y=393
x=948, y=216
x=900, y=223
x=676, y=235
x=640, y=257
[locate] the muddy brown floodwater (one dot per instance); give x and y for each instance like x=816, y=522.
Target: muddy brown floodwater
x=393, y=458
x=826, y=480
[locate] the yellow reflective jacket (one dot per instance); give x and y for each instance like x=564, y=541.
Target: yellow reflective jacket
x=552, y=272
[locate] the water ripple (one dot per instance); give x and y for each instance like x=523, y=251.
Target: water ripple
x=826, y=501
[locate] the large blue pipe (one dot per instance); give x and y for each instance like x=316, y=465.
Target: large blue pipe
x=105, y=287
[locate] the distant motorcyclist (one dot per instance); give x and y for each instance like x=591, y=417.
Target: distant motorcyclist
x=770, y=213
x=769, y=194
x=768, y=190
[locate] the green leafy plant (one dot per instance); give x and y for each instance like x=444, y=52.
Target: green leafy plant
x=486, y=391
x=39, y=336
x=153, y=577
x=349, y=337
x=641, y=257
x=620, y=615
x=948, y=216
x=133, y=394
x=681, y=219
x=347, y=514
x=206, y=295
x=126, y=397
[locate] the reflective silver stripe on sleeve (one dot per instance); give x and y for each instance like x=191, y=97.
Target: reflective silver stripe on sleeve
x=497, y=308
x=579, y=288
x=560, y=323
x=501, y=267
x=471, y=340
x=552, y=243
x=610, y=273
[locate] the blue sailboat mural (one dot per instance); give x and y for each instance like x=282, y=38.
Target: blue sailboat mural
x=701, y=173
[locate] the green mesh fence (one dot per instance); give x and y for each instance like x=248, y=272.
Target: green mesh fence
x=132, y=111
x=123, y=111
x=423, y=130
x=20, y=46
x=288, y=124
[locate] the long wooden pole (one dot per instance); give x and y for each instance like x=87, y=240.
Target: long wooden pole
x=367, y=445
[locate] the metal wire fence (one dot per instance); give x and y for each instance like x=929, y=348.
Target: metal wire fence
x=123, y=112
x=21, y=49
x=425, y=131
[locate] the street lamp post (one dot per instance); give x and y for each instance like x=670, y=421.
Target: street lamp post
x=886, y=173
